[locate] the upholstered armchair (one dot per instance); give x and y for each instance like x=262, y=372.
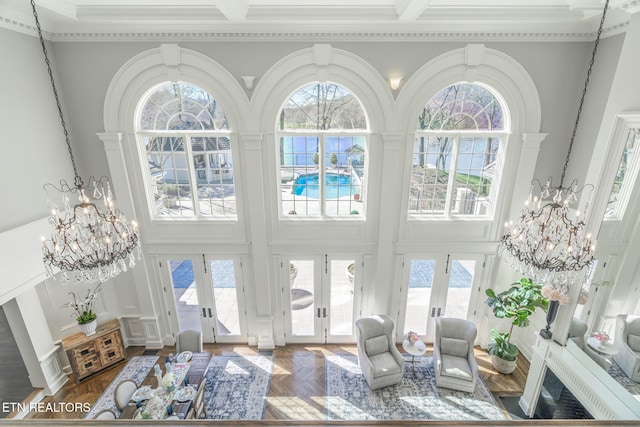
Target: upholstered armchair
x=577, y=332
x=189, y=340
x=454, y=362
x=381, y=362
x=628, y=341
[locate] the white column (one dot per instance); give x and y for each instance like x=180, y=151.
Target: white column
x=148, y=304
x=256, y=208
x=382, y=273
x=33, y=338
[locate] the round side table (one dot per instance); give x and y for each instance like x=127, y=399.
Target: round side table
x=417, y=348
x=604, y=349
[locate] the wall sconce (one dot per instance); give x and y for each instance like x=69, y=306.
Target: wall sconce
x=394, y=82
x=248, y=81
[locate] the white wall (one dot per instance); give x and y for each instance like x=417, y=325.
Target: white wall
x=33, y=148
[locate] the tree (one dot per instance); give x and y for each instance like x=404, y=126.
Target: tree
x=333, y=159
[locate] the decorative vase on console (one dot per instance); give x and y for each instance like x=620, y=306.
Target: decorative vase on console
x=552, y=312
x=557, y=296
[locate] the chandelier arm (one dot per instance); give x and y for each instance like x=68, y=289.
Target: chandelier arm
x=584, y=93
x=77, y=179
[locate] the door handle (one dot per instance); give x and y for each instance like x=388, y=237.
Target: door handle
x=204, y=312
x=210, y=315
x=433, y=312
x=439, y=311
x=318, y=312
x=324, y=312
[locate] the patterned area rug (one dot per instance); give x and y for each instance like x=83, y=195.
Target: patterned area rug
x=137, y=369
x=237, y=387
x=618, y=374
x=415, y=398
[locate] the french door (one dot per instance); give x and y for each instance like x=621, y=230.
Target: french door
x=205, y=293
x=321, y=298
x=434, y=286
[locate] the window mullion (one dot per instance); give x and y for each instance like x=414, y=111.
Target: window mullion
x=192, y=176
x=322, y=174
x=452, y=177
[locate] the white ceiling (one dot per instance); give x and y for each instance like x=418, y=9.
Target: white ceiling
x=345, y=19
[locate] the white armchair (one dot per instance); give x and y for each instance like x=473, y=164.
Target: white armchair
x=577, y=332
x=453, y=358
x=628, y=341
x=381, y=362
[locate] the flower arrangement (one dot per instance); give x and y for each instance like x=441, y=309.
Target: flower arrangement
x=83, y=308
x=412, y=337
x=603, y=337
x=555, y=294
x=168, y=381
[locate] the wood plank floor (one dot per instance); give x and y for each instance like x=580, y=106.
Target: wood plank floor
x=297, y=384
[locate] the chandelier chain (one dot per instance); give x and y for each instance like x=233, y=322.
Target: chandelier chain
x=584, y=92
x=77, y=179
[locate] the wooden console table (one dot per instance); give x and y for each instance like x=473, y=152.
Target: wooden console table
x=90, y=354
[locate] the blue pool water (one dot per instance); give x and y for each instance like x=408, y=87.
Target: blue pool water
x=336, y=186
x=222, y=272
x=421, y=275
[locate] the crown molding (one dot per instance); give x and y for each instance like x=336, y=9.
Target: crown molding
x=439, y=26
x=452, y=36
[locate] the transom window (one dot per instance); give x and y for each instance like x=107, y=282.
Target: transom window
x=323, y=134
x=188, y=147
x=456, y=153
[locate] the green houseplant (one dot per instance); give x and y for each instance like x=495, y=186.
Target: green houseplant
x=83, y=310
x=516, y=303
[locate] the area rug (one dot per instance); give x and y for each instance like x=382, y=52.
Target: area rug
x=236, y=387
x=348, y=396
x=137, y=369
x=618, y=374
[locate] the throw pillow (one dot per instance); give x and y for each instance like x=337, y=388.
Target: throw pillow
x=634, y=342
x=376, y=345
x=454, y=347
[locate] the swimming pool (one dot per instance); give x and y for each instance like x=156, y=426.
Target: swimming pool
x=336, y=186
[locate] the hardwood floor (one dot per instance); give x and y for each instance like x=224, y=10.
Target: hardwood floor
x=297, y=384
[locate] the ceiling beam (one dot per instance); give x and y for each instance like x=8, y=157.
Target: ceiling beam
x=61, y=7
x=233, y=10
x=410, y=10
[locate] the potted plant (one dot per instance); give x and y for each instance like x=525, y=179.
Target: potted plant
x=83, y=310
x=516, y=303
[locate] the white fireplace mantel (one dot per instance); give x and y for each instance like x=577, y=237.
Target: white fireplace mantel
x=601, y=395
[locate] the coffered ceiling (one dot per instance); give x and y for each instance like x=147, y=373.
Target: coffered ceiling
x=317, y=19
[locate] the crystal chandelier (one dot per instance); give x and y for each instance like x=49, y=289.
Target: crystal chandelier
x=546, y=243
x=88, y=243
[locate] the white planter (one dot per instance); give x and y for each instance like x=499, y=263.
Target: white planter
x=503, y=366
x=89, y=328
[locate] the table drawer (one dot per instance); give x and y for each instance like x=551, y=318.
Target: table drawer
x=110, y=355
x=86, y=359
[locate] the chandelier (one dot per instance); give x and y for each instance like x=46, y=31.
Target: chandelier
x=546, y=243
x=91, y=241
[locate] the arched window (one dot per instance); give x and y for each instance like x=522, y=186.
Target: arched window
x=323, y=134
x=187, y=142
x=456, y=156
